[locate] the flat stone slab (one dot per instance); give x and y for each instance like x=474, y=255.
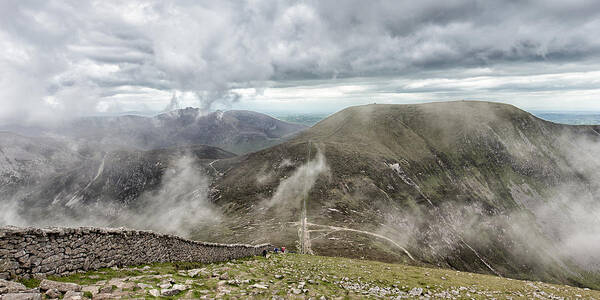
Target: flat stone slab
x=21, y=296
x=62, y=287
x=11, y=287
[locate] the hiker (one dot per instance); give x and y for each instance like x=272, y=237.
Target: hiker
x=282, y=249
x=265, y=252
x=276, y=250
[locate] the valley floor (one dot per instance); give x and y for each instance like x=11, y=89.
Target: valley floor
x=294, y=276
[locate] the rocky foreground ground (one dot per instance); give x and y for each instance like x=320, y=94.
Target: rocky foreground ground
x=286, y=276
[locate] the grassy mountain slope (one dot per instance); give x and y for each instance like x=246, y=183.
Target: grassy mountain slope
x=472, y=186
x=294, y=276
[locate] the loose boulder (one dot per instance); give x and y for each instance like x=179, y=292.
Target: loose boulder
x=21, y=296
x=11, y=287
x=62, y=287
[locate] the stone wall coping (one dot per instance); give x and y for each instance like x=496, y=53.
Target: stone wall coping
x=15, y=230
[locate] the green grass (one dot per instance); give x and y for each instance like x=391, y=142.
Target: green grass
x=329, y=276
x=30, y=282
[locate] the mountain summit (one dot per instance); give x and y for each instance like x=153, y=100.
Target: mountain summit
x=473, y=186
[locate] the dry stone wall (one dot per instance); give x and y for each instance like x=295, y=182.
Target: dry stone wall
x=37, y=252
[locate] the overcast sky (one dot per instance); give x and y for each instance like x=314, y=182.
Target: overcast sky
x=71, y=58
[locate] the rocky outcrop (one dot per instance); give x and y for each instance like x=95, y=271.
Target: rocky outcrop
x=35, y=252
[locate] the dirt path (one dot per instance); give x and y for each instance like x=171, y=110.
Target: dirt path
x=304, y=232
x=211, y=165
x=75, y=199
x=336, y=228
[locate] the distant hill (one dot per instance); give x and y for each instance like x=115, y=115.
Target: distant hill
x=237, y=131
x=308, y=119
x=25, y=160
x=473, y=186
x=572, y=118
x=46, y=181
x=126, y=170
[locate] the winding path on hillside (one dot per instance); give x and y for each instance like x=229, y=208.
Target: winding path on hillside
x=75, y=198
x=336, y=228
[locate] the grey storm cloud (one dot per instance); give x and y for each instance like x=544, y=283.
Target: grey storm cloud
x=61, y=58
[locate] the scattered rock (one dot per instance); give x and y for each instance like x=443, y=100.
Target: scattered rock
x=180, y=287
x=169, y=292
x=233, y=282
x=278, y=276
x=154, y=292
x=416, y=292
x=52, y=294
x=91, y=288
x=72, y=295
x=259, y=286
x=165, y=286
x=142, y=285
x=106, y=289
x=125, y=285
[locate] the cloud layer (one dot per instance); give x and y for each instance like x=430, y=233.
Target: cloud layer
x=64, y=58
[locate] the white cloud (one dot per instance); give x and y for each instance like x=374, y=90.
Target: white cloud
x=92, y=56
